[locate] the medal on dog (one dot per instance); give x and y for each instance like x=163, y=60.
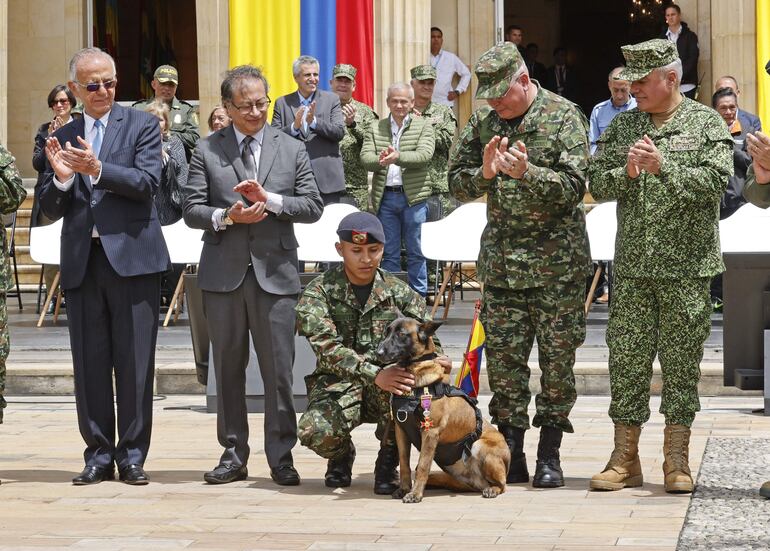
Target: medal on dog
x=425, y=401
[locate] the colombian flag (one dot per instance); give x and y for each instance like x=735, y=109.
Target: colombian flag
x=468, y=377
x=273, y=33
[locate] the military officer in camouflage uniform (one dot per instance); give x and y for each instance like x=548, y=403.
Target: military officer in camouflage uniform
x=184, y=119
x=527, y=151
x=358, y=117
x=442, y=118
x=666, y=163
x=12, y=195
x=344, y=314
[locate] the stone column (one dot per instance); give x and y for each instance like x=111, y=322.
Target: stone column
x=4, y=72
x=733, y=46
x=212, y=22
x=401, y=41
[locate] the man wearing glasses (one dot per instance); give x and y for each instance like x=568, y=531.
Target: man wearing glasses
x=528, y=151
x=248, y=184
x=103, y=172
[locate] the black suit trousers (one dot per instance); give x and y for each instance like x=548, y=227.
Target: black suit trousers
x=113, y=323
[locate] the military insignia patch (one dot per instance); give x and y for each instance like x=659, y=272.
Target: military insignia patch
x=683, y=143
x=359, y=237
x=177, y=119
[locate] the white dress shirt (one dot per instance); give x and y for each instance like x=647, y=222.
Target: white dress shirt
x=446, y=65
x=394, y=171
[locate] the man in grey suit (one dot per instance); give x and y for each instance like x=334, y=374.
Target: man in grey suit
x=315, y=117
x=248, y=183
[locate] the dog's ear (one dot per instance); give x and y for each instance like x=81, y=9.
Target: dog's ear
x=428, y=329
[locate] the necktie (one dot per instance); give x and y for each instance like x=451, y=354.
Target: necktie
x=96, y=145
x=248, y=158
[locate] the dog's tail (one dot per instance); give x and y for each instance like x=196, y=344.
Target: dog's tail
x=448, y=482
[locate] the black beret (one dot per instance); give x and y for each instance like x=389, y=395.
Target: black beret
x=361, y=228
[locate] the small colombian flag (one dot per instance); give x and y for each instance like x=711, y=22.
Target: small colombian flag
x=468, y=377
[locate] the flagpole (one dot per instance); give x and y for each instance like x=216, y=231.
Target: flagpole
x=476, y=310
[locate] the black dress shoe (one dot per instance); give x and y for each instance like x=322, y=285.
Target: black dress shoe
x=93, y=474
x=285, y=475
x=134, y=475
x=222, y=474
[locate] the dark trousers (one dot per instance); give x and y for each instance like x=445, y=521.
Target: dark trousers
x=113, y=324
x=268, y=319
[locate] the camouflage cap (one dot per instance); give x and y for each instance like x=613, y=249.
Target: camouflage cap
x=361, y=228
x=344, y=70
x=495, y=68
x=423, y=72
x=645, y=57
x=166, y=73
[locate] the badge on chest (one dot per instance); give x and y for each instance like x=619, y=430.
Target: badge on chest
x=683, y=143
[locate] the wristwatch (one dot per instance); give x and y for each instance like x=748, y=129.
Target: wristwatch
x=226, y=220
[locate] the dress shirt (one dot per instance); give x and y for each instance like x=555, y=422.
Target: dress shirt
x=90, y=135
x=673, y=37
x=274, y=200
x=304, y=102
x=394, y=171
x=602, y=115
x=446, y=65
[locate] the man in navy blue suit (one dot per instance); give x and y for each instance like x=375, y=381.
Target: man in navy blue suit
x=103, y=172
x=749, y=121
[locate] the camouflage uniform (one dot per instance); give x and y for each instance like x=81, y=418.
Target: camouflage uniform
x=442, y=118
x=356, y=177
x=344, y=336
x=754, y=193
x=12, y=195
x=666, y=249
x=184, y=122
x=534, y=251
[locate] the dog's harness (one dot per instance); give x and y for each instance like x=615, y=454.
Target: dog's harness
x=412, y=413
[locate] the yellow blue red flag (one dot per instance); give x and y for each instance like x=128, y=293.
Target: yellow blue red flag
x=468, y=376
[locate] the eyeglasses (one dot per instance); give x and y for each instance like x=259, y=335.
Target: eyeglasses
x=247, y=108
x=57, y=101
x=94, y=86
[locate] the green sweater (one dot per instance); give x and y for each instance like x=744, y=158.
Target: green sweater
x=415, y=153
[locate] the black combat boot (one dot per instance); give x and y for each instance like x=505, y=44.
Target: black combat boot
x=385, y=468
x=548, y=472
x=514, y=436
x=339, y=471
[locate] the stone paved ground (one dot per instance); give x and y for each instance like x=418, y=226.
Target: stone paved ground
x=39, y=508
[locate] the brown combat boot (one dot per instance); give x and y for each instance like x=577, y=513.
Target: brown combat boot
x=676, y=444
x=623, y=469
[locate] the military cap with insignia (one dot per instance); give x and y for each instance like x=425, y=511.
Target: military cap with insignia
x=423, y=72
x=166, y=73
x=645, y=57
x=495, y=69
x=344, y=70
x=361, y=228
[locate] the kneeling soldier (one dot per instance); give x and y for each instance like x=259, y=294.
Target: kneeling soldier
x=344, y=314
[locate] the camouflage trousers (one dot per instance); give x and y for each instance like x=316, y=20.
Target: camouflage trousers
x=667, y=317
x=4, y=349
x=448, y=203
x=335, y=407
x=512, y=319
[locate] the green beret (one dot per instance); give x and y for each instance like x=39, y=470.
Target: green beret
x=495, y=68
x=644, y=58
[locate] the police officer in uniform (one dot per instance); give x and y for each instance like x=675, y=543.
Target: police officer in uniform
x=184, y=119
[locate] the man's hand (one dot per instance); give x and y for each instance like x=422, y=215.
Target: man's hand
x=240, y=214
x=298, y=116
x=489, y=166
x=54, y=153
x=310, y=115
x=252, y=191
x=759, y=149
x=644, y=156
x=349, y=112
x=452, y=95
x=388, y=156
x=82, y=160
x=513, y=161
x=395, y=380
x=446, y=363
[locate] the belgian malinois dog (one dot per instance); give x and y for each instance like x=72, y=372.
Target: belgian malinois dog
x=445, y=421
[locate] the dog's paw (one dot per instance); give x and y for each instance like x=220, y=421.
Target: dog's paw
x=490, y=492
x=411, y=497
x=398, y=494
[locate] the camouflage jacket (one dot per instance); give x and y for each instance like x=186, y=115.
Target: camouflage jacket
x=184, y=122
x=536, y=229
x=668, y=225
x=345, y=336
x=442, y=118
x=356, y=178
x=754, y=193
x=12, y=195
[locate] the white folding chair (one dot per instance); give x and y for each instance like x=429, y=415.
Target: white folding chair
x=316, y=240
x=745, y=231
x=45, y=248
x=454, y=239
x=602, y=225
x=184, y=247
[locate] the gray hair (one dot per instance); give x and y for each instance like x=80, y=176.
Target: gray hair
x=235, y=77
x=80, y=55
x=615, y=71
x=296, y=67
x=401, y=86
x=675, y=66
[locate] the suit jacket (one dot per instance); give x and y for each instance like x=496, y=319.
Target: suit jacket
x=269, y=246
x=39, y=163
x=120, y=206
x=570, y=82
x=749, y=121
x=323, y=143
